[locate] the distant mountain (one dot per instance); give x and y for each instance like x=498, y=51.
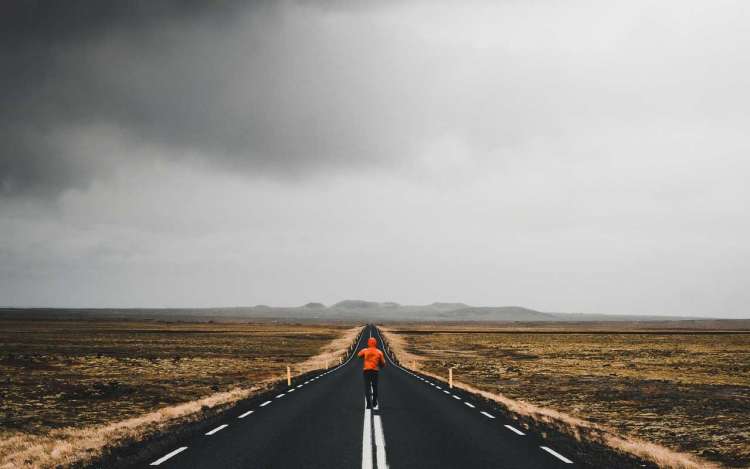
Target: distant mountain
x=356, y=304
x=449, y=306
x=347, y=310
x=498, y=313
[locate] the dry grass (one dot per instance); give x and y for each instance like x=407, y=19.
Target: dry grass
x=73, y=388
x=678, y=399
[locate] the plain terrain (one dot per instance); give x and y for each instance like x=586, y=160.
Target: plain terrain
x=688, y=390
x=81, y=374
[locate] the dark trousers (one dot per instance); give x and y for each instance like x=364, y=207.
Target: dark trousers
x=371, y=387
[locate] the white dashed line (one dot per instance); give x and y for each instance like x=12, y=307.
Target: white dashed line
x=445, y=391
x=217, y=429
x=487, y=415
x=557, y=455
x=280, y=396
x=469, y=404
x=265, y=403
x=245, y=414
x=291, y=390
x=438, y=387
x=167, y=456
x=300, y=386
x=455, y=397
x=515, y=430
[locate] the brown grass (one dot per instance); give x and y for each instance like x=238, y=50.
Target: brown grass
x=59, y=404
x=679, y=400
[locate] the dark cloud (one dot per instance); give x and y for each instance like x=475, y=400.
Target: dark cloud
x=245, y=85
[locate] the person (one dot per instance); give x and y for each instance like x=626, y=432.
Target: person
x=373, y=361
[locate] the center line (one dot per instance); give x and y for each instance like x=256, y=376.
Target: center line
x=265, y=403
x=367, y=442
x=167, y=456
x=487, y=415
x=380, y=444
x=217, y=429
x=245, y=414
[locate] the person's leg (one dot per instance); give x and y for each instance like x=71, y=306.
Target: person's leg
x=366, y=379
x=374, y=388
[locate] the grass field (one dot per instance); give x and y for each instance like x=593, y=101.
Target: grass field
x=84, y=374
x=687, y=391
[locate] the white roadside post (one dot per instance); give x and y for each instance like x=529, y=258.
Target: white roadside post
x=288, y=376
x=450, y=377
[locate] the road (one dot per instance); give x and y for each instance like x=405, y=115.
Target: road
x=323, y=423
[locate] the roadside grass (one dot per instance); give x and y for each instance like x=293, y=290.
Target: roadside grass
x=677, y=398
x=70, y=389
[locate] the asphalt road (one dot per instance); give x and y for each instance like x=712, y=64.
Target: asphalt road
x=323, y=423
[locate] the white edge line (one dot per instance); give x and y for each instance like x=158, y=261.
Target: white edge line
x=487, y=415
x=217, y=429
x=557, y=455
x=455, y=397
x=245, y=414
x=265, y=403
x=514, y=430
x=168, y=455
x=469, y=404
x=280, y=396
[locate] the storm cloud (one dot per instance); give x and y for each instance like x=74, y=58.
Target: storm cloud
x=581, y=156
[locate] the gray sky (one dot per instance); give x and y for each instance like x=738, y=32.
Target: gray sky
x=580, y=156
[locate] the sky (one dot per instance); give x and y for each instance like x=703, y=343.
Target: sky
x=581, y=156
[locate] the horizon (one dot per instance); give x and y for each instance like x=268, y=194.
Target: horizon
x=459, y=304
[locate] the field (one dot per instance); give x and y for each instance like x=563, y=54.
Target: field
x=687, y=391
x=83, y=374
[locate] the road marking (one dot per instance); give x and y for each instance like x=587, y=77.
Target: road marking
x=217, y=429
x=557, y=455
x=280, y=396
x=487, y=415
x=245, y=414
x=438, y=387
x=380, y=444
x=367, y=442
x=515, y=430
x=469, y=404
x=455, y=397
x=300, y=386
x=169, y=455
x=445, y=391
x=265, y=403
